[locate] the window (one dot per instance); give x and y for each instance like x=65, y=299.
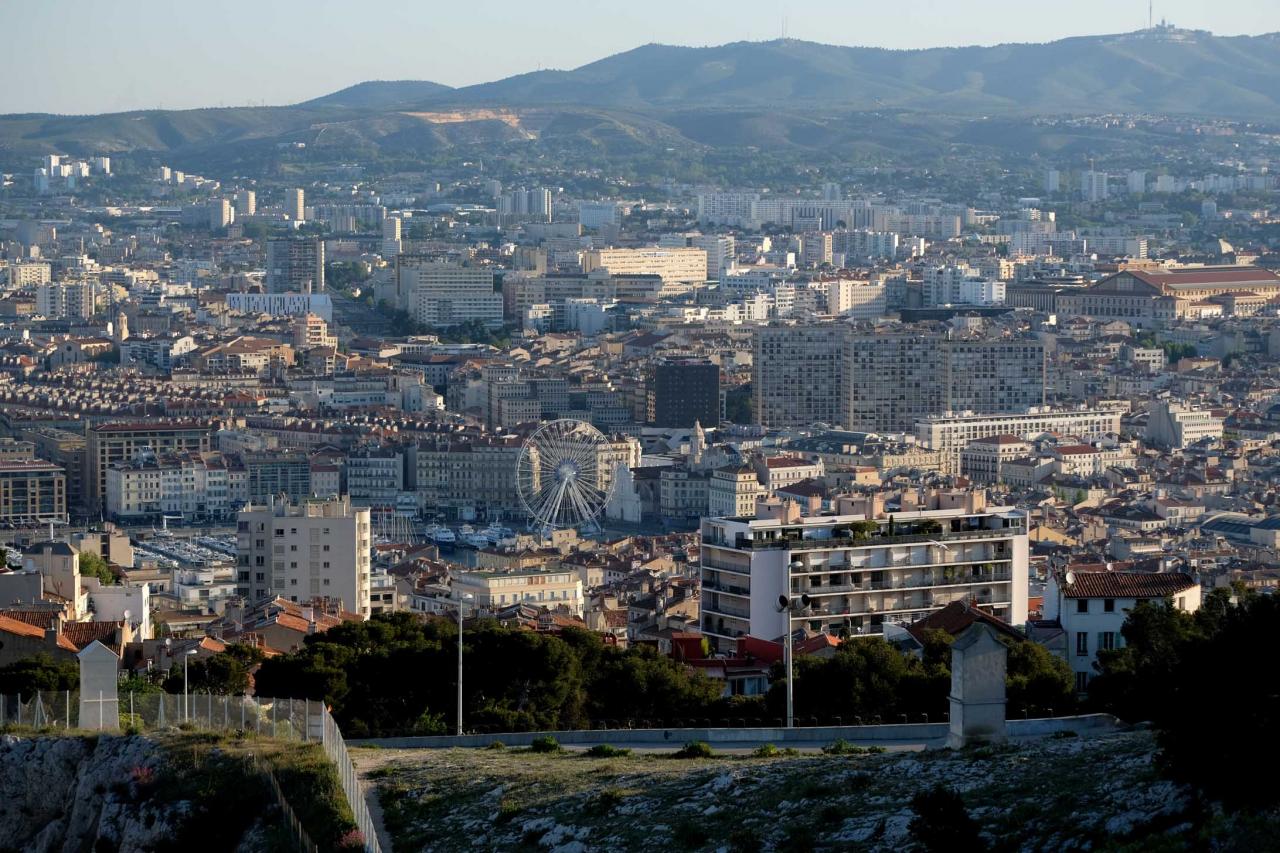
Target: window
x=1082, y=682
x=1082, y=605
x=1109, y=605
x=1082, y=644
x=293, y=581
x=1106, y=640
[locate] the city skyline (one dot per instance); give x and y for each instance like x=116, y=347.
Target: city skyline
x=286, y=58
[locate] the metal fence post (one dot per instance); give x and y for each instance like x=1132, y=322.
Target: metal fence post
x=68, y=692
x=19, y=709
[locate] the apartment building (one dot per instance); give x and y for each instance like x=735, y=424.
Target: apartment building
x=1090, y=607
x=439, y=294
x=295, y=266
x=796, y=375
x=950, y=432
x=1175, y=426
x=196, y=486
x=890, y=381
x=861, y=567
x=671, y=264
x=537, y=587
x=32, y=491
x=110, y=443
x=317, y=548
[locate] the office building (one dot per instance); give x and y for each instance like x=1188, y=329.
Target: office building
x=1052, y=181
x=314, y=549
x=681, y=394
x=438, y=294
x=862, y=570
x=295, y=266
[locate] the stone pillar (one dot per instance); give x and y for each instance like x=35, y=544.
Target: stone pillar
x=978, y=661
x=99, y=701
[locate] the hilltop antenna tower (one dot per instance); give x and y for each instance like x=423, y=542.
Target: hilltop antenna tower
x=1151, y=18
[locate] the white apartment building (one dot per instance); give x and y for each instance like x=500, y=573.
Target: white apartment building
x=599, y=214
x=1091, y=606
x=75, y=299
x=1175, y=426
x=687, y=264
x=860, y=577
x=732, y=492
x=282, y=304
x=197, y=486
x=438, y=294
x=536, y=587
x=318, y=548
x=951, y=432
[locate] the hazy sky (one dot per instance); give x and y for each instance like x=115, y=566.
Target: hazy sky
x=90, y=56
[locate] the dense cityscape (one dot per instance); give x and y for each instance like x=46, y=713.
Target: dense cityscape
x=915, y=468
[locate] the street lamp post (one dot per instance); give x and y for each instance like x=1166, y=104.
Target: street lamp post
x=463, y=598
x=788, y=604
x=186, y=703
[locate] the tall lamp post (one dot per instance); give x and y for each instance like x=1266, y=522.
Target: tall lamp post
x=186, y=702
x=790, y=604
x=463, y=598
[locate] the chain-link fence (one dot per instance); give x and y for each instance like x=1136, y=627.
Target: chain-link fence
x=286, y=719
x=283, y=719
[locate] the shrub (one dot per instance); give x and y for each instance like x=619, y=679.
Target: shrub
x=843, y=747
x=545, y=743
x=496, y=745
x=942, y=823
x=766, y=750
x=604, y=750
x=507, y=811
x=605, y=801
x=694, y=749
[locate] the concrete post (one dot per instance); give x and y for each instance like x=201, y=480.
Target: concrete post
x=978, y=661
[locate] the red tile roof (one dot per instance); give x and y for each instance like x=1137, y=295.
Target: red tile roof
x=1126, y=584
x=957, y=616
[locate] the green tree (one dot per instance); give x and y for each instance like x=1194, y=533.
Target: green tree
x=1134, y=681
x=1217, y=726
x=226, y=673
x=1037, y=680
x=93, y=566
x=39, y=673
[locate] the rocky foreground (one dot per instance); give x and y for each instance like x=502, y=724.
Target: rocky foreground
x=1066, y=794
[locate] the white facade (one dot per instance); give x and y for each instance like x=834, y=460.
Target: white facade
x=439, y=294
x=1091, y=608
x=950, y=432
x=931, y=558
x=1175, y=426
x=495, y=590
x=282, y=304
x=300, y=552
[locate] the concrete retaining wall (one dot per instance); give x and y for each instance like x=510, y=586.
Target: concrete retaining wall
x=918, y=733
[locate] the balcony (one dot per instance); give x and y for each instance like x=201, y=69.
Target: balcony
x=932, y=582
x=720, y=586
x=799, y=543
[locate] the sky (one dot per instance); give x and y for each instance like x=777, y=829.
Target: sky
x=89, y=56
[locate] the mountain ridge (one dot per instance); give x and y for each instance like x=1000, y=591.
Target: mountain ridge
x=774, y=93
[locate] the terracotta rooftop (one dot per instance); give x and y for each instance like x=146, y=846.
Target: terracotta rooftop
x=1106, y=584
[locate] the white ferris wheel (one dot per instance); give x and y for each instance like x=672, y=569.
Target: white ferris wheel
x=563, y=475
